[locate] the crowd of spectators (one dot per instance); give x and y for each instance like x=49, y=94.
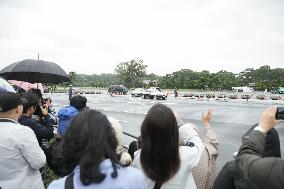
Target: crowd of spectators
x=169, y=154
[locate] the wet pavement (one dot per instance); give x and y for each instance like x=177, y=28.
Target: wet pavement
x=231, y=118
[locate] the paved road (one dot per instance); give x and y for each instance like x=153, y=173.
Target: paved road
x=230, y=119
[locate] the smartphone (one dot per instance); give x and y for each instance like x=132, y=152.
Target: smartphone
x=280, y=113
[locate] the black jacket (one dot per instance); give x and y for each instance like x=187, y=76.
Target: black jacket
x=230, y=178
x=261, y=173
x=41, y=131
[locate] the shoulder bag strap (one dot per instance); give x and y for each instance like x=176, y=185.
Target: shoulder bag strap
x=7, y=120
x=157, y=186
x=69, y=182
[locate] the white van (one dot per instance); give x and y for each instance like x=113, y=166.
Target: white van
x=242, y=89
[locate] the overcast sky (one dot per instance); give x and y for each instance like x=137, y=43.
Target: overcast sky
x=92, y=36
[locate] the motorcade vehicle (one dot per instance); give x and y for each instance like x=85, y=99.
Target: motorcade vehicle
x=154, y=93
x=117, y=89
x=221, y=95
x=233, y=96
x=137, y=92
x=261, y=97
x=208, y=95
x=188, y=95
x=245, y=96
x=242, y=89
x=278, y=90
x=275, y=97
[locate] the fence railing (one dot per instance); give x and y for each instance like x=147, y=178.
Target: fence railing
x=124, y=146
x=128, y=134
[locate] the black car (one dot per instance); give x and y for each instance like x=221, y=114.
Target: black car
x=117, y=89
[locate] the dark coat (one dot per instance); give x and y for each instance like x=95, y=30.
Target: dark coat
x=229, y=178
x=41, y=131
x=261, y=173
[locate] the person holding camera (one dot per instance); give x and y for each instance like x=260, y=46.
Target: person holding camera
x=42, y=131
x=44, y=103
x=51, y=111
x=230, y=178
x=261, y=172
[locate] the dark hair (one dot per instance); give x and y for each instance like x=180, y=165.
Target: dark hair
x=160, y=144
x=79, y=102
x=37, y=92
x=87, y=142
x=32, y=100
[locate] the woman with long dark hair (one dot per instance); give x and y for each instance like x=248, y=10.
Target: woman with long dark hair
x=165, y=163
x=90, y=159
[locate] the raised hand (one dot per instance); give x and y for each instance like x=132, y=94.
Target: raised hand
x=206, y=117
x=267, y=120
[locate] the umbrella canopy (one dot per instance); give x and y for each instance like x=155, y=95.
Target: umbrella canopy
x=5, y=86
x=35, y=71
x=26, y=85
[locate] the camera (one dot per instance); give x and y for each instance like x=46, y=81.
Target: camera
x=280, y=113
x=38, y=111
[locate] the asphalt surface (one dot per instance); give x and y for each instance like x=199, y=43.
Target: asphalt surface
x=231, y=118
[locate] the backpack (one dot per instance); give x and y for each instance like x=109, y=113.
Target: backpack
x=54, y=156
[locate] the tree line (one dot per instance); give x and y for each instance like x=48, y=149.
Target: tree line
x=133, y=74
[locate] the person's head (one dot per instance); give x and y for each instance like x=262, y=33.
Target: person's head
x=47, y=101
x=11, y=105
x=160, y=144
x=272, y=143
x=79, y=102
x=20, y=90
x=88, y=141
x=37, y=92
x=32, y=103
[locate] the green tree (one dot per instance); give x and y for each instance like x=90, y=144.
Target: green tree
x=166, y=81
x=204, y=80
x=72, y=76
x=131, y=73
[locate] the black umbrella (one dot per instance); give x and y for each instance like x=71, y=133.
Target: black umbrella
x=35, y=71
